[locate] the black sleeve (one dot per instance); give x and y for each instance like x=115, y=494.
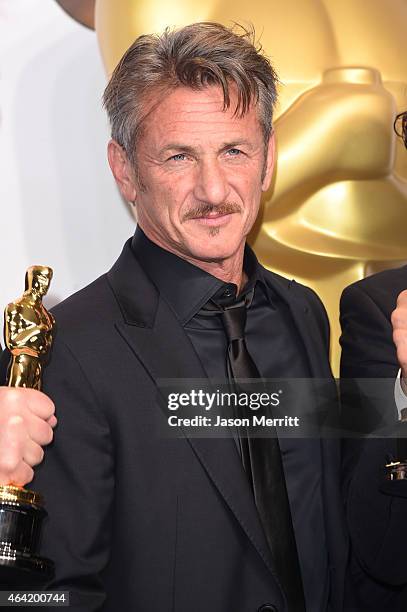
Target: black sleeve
x=369, y=364
x=77, y=481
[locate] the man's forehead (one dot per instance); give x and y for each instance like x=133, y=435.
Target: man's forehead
x=209, y=99
x=194, y=113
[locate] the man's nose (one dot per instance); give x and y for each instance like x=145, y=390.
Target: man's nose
x=211, y=183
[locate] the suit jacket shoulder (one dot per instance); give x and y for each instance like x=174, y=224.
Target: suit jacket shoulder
x=85, y=308
x=382, y=288
x=305, y=298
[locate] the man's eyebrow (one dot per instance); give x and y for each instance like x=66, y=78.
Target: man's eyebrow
x=178, y=146
x=235, y=144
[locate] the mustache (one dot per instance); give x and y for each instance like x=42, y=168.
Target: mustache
x=204, y=209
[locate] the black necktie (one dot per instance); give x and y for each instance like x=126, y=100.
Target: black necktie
x=261, y=459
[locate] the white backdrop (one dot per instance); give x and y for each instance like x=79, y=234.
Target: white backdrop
x=59, y=205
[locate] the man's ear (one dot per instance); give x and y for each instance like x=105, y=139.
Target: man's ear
x=122, y=171
x=269, y=162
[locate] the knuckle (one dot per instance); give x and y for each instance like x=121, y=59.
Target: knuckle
x=40, y=455
x=46, y=403
x=51, y=435
x=28, y=474
x=40, y=431
x=14, y=421
x=11, y=404
x=402, y=299
x=395, y=317
x=14, y=432
x=8, y=463
x=48, y=434
x=23, y=475
x=396, y=336
x=6, y=393
x=52, y=421
x=401, y=335
x=34, y=456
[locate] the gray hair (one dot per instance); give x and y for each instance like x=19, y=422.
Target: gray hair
x=195, y=56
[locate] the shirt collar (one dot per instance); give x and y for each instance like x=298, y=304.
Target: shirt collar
x=185, y=287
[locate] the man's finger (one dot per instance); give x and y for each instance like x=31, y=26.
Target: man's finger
x=33, y=453
x=40, y=404
x=402, y=299
x=52, y=421
x=14, y=400
x=13, y=435
x=39, y=430
x=399, y=318
x=22, y=475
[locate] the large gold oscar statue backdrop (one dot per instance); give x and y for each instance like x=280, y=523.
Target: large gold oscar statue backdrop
x=338, y=208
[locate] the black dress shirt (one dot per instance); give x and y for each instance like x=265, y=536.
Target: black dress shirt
x=272, y=341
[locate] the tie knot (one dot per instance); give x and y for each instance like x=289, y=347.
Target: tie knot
x=234, y=320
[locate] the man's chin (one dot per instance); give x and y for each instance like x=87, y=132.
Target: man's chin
x=212, y=251
x=207, y=243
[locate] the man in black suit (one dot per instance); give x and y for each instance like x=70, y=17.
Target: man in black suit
x=374, y=347
x=140, y=520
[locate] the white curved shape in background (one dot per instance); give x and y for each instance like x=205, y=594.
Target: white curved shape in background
x=59, y=205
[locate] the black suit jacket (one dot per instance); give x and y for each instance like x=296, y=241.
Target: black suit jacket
x=376, y=510
x=137, y=520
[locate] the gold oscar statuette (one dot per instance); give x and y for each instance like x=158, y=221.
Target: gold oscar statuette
x=28, y=332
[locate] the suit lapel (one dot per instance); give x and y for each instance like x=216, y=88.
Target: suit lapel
x=310, y=333
x=160, y=343
x=305, y=322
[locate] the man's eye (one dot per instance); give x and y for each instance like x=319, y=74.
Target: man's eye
x=234, y=152
x=178, y=157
